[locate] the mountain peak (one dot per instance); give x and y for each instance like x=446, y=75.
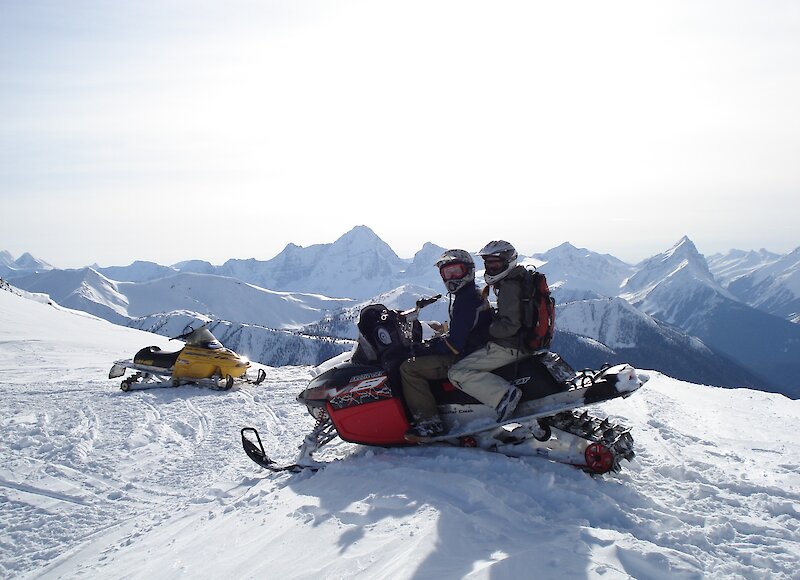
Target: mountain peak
x=683, y=248
x=563, y=251
x=359, y=234
x=362, y=238
x=682, y=254
x=565, y=246
x=578, y=269
x=681, y=270
x=6, y=259
x=28, y=261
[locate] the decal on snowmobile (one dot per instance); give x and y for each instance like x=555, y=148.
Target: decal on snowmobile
x=364, y=376
x=367, y=391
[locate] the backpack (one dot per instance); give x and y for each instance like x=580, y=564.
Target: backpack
x=538, y=311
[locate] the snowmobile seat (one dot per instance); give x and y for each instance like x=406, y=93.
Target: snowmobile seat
x=539, y=377
x=153, y=356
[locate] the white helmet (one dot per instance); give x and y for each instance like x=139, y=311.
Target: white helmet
x=456, y=268
x=502, y=258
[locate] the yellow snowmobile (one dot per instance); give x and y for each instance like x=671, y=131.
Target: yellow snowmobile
x=203, y=362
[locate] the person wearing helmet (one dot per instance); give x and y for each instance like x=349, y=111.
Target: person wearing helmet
x=473, y=373
x=470, y=315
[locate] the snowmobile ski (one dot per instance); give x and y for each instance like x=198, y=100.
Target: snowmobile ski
x=155, y=378
x=254, y=448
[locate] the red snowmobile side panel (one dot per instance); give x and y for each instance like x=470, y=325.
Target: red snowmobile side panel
x=381, y=422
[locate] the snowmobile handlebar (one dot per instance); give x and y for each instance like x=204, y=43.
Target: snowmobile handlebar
x=412, y=313
x=423, y=302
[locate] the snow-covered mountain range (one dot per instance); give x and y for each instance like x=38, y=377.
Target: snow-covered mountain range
x=217, y=296
x=737, y=313
x=358, y=265
x=678, y=288
x=773, y=288
x=98, y=483
x=622, y=333
x=25, y=264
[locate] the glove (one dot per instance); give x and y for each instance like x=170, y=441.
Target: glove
x=428, y=347
x=437, y=327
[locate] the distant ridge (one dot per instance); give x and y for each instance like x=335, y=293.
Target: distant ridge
x=741, y=307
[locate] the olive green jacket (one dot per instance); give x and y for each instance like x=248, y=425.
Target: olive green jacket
x=506, y=328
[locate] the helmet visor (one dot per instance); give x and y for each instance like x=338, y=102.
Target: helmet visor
x=453, y=271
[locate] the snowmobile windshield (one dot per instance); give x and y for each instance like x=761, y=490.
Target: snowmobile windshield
x=203, y=337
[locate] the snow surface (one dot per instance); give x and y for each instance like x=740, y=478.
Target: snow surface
x=612, y=321
x=97, y=483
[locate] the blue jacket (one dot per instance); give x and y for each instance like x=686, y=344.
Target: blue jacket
x=470, y=317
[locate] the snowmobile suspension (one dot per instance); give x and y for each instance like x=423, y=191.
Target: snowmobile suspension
x=611, y=443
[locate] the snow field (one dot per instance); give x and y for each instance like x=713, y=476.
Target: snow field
x=97, y=483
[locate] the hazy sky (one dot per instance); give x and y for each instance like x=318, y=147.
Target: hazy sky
x=169, y=130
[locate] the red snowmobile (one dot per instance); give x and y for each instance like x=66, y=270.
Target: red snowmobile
x=360, y=400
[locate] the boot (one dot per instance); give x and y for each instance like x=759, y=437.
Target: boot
x=508, y=403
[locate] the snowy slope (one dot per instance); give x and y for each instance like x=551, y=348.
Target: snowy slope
x=774, y=288
x=138, y=271
x=219, y=297
x=734, y=264
x=83, y=289
x=677, y=287
x=258, y=343
x=97, y=483
x=228, y=299
x=634, y=337
x=580, y=270
x=611, y=321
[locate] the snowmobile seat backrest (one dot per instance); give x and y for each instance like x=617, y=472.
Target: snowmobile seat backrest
x=379, y=339
x=366, y=351
x=153, y=356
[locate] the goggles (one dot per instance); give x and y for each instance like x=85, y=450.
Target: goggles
x=494, y=265
x=453, y=271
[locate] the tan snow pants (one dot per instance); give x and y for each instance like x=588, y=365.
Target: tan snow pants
x=415, y=374
x=472, y=374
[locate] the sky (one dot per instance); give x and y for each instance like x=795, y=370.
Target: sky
x=176, y=130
